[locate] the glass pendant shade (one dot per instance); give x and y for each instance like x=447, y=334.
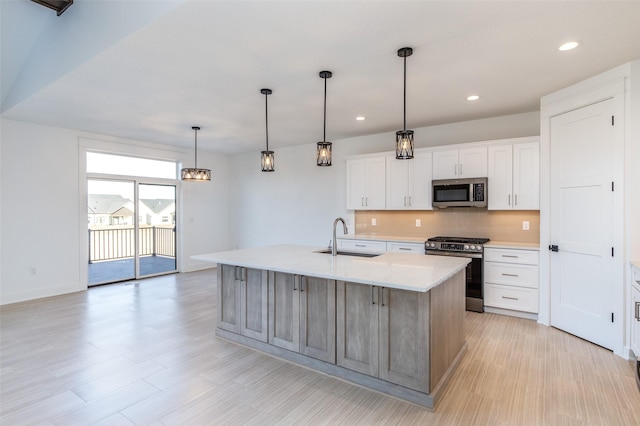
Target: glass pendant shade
x=194, y=174
x=323, y=155
x=266, y=156
x=266, y=161
x=404, y=137
x=323, y=152
x=404, y=144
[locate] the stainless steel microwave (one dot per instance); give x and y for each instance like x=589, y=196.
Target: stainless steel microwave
x=460, y=192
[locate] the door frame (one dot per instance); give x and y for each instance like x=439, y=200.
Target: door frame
x=609, y=85
x=86, y=145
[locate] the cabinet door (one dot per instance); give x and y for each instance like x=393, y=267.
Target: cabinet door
x=284, y=310
x=356, y=185
x=445, y=164
x=472, y=162
x=500, y=177
x=357, y=327
x=318, y=318
x=228, y=282
x=635, y=319
x=254, y=304
x=397, y=181
x=526, y=176
x=375, y=198
x=420, y=182
x=404, y=348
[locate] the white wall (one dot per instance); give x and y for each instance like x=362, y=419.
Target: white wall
x=299, y=201
x=41, y=216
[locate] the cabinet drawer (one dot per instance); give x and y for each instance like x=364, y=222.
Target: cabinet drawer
x=514, y=298
x=527, y=257
x=511, y=274
x=405, y=247
x=363, y=245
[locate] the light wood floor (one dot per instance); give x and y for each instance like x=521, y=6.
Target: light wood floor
x=146, y=354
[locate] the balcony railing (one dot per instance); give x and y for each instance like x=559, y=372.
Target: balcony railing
x=119, y=243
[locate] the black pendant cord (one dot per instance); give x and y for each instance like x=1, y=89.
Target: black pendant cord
x=195, y=129
x=404, y=126
x=324, y=126
x=266, y=118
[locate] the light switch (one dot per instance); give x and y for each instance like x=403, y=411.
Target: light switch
x=373, y=221
x=418, y=223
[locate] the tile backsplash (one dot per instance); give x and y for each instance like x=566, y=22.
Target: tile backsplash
x=467, y=222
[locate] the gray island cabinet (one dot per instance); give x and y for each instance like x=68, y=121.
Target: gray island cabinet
x=393, y=323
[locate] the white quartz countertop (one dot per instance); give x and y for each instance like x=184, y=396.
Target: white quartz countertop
x=405, y=271
x=512, y=245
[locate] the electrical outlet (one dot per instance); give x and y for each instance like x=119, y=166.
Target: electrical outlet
x=418, y=223
x=33, y=270
x=525, y=225
x=374, y=222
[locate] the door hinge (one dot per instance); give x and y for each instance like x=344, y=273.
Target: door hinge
x=613, y=122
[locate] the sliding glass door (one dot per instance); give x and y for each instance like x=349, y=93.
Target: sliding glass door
x=131, y=230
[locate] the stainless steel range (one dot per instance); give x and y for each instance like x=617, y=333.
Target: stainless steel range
x=464, y=247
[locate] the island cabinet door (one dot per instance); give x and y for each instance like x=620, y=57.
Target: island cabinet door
x=404, y=338
x=284, y=310
x=229, y=297
x=254, y=304
x=318, y=318
x=357, y=327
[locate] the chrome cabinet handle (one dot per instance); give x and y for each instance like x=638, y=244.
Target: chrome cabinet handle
x=360, y=245
x=510, y=275
x=510, y=255
x=515, y=197
x=382, y=296
x=373, y=302
x=509, y=199
x=509, y=298
x=404, y=248
x=637, y=311
x=409, y=201
x=362, y=201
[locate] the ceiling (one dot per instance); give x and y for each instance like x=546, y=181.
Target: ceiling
x=150, y=70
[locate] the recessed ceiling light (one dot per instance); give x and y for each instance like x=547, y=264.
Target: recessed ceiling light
x=473, y=98
x=568, y=45
x=361, y=118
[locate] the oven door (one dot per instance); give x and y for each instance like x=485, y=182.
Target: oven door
x=473, y=287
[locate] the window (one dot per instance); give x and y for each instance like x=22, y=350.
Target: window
x=130, y=166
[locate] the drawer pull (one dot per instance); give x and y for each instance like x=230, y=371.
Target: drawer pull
x=510, y=255
x=510, y=298
x=510, y=275
x=360, y=245
x=637, y=311
x=404, y=248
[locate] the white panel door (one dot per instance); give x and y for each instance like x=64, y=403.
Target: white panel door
x=582, y=213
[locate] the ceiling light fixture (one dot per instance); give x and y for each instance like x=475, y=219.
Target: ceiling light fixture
x=323, y=155
x=266, y=157
x=404, y=137
x=361, y=118
x=570, y=45
x=195, y=174
x=473, y=98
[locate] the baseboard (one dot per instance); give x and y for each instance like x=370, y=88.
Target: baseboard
x=40, y=293
x=511, y=313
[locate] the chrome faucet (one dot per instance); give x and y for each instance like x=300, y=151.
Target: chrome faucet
x=334, y=247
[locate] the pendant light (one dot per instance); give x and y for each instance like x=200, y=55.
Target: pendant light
x=266, y=158
x=195, y=174
x=323, y=155
x=404, y=137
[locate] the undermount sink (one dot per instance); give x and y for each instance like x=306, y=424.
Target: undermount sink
x=350, y=253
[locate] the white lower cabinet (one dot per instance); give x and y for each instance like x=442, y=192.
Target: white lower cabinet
x=400, y=247
x=369, y=246
x=511, y=280
x=635, y=311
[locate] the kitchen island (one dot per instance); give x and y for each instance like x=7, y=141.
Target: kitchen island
x=393, y=322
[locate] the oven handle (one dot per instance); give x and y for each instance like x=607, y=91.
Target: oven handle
x=453, y=253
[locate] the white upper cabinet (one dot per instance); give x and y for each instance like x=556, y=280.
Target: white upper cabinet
x=409, y=182
x=460, y=163
x=366, y=183
x=514, y=176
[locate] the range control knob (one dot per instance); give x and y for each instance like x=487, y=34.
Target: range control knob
x=466, y=247
x=473, y=247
